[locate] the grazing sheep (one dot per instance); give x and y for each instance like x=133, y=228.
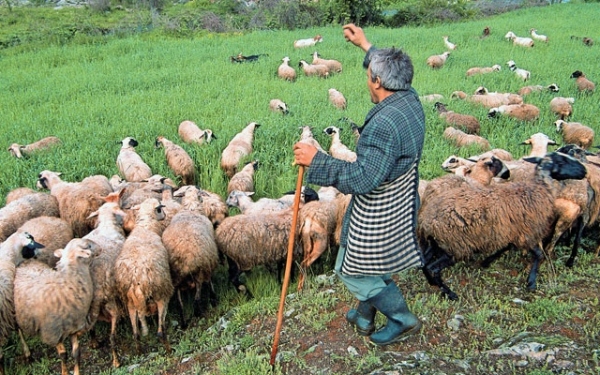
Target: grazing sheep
x=467, y=123
x=437, y=61
x=278, y=105
x=285, y=71
x=19, y=246
x=432, y=98
x=491, y=220
x=519, y=41
x=334, y=66
x=337, y=99
x=307, y=136
x=451, y=46
x=76, y=200
x=18, y=193
x=19, y=211
x=523, y=112
x=521, y=73
x=488, y=69
x=142, y=276
x=337, y=149
x=247, y=206
x=462, y=139
x=562, y=106
x=575, y=133
x=248, y=241
x=130, y=164
x=586, y=40
x=583, y=84
x=309, y=42
x=537, y=36
x=193, y=256
x=214, y=206
x=53, y=304
x=18, y=151
x=238, y=148
x=537, y=88
x=191, y=133
x=244, y=179
x=54, y=232
x=314, y=70
x=489, y=99
x=180, y=162
x=250, y=58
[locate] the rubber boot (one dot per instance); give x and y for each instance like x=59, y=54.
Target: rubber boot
x=400, y=321
x=362, y=318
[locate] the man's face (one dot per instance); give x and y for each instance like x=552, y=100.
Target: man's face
x=372, y=87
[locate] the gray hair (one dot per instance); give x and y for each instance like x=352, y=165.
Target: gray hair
x=393, y=67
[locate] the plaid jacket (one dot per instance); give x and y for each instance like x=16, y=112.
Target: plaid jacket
x=390, y=146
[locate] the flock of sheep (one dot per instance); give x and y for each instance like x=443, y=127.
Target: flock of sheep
x=126, y=245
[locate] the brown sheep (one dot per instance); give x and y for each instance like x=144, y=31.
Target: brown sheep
x=334, y=66
x=562, y=106
x=437, y=61
x=285, y=71
x=314, y=70
x=462, y=139
x=523, y=112
x=239, y=147
x=583, y=84
x=575, y=133
x=477, y=70
x=18, y=151
x=180, y=162
x=467, y=123
x=337, y=99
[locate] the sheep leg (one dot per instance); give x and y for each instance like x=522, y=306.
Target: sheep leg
x=162, y=317
x=180, y=308
x=62, y=354
x=492, y=258
x=234, y=276
x=317, y=249
x=576, y=243
x=433, y=272
x=113, y=339
x=134, y=325
x=538, y=255
x=75, y=352
x=24, y=345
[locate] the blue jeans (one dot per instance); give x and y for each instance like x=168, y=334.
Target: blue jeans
x=362, y=287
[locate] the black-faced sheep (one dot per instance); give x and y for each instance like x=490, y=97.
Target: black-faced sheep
x=53, y=304
x=285, y=71
x=130, y=163
x=278, y=105
x=192, y=134
x=19, y=211
x=583, y=84
x=437, y=61
x=337, y=149
x=521, y=73
x=54, y=232
x=454, y=224
x=18, y=151
x=575, y=133
x=467, y=123
x=522, y=112
x=180, y=162
x=238, y=148
x=537, y=88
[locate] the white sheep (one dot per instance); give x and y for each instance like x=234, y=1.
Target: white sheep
x=519, y=41
x=432, y=98
x=19, y=246
x=192, y=134
x=451, y=46
x=337, y=149
x=539, y=144
x=562, y=106
x=314, y=70
x=285, y=71
x=180, y=162
x=278, y=105
x=18, y=151
x=142, y=276
x=130, y=164
x=53, y=304
x=485, y=70
x=462, y=139
x=489, y=99
x=334, y=66
x=575, y=133
x=308, y=42
x=238, y=148
x=521, y=73
x=438, y=61
x=19, y=211
x=526, y=90
x=243, y=201
x=523, y=112
x=307, y=136
x=244, y=179
x=337, y=99
x=537, y=36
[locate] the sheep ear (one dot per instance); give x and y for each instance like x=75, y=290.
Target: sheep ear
x=533, y=159
x=249, y=193
x=93, y=215
x=58, y=253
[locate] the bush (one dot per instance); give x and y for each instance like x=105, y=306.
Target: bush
x=362, y=13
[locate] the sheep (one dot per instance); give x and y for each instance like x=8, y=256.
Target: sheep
x=76, y=200
x=462, y=139
x=583, y=84
x=53, y=304
x=130, y=164
x=467, y=123
x=244, y=179
x=307, y=136
x=337, y=99
x=285, y=71
x=562, y=106
x=314, y=70
x=451, y=46
x=334, y=66
x=519, y=41
x=520, y=73
x=240, y=58
x=190, y=133
x=437, y=61
x=337, y=149
x=278, y=105
x=537, y=36
x=54, y=232
x=248, y=241
x=247, y=206
x=214, y=206
x=110, y=236
x=19, y=211
x=18, y=193
x=586, y=40
x=432, y=98
x=18, y=151
x=523, y=112
x=194, y=256
x=485, y=33
x=239, y=147
x=453, y=161
x=309, y=42
x=490, y=220
x=526, y=90
x=142, y=276
x=180, y=162
x=485, y=70
x=19, y=246
x=539, y=144
x=489, y=99
x=575, y=133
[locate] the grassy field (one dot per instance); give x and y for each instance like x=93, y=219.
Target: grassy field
x=97, y=92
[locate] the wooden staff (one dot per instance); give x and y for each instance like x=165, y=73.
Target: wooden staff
x=288, y=264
